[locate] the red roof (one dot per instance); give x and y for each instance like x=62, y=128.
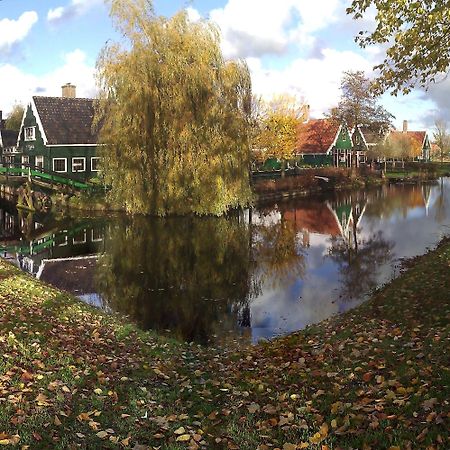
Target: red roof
x=316, y=136
x=312, y=217
x=418, y=136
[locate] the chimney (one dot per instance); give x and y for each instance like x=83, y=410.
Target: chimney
x=68, y=91
x=306, y=113
x=405, y=126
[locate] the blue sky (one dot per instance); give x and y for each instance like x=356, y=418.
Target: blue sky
x=299, y=47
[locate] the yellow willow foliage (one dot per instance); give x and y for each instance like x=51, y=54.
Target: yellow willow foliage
x=279, y=128
x=174, y=116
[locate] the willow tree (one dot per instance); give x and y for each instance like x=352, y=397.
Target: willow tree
x=174, y=115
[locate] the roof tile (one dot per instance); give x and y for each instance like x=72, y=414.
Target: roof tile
x=67, y=120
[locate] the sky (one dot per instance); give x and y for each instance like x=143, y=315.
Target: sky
x=300, y=47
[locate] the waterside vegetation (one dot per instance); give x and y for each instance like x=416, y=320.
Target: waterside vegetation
x=375, y=377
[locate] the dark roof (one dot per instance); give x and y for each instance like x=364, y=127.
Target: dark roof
x=8, y=138
x=67, y=120
x=371, y=137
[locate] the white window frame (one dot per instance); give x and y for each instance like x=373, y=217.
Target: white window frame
x=77, y=242
x=39, y=159
x=93, y=239
x=65, y=165
x=29, y=134
x=73, y=164
x=25, y=160
x=97, y=158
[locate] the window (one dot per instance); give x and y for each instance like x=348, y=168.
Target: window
x=78, y=164
x=97, y=235
x=80, y=237
x=59, y=164
x=25, y=161
x=40, y=161
x=95, y=162
x=30, y=133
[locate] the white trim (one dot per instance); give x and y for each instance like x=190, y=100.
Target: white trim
x=41, y=158
x=330, y=148
x=59, y=159
x=75, y=242
x=98, y=159
x=84, y=163
x=32, y=136
x=38, y=121
x=92, y=237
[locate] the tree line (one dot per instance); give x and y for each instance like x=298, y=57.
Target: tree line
x=178, y=122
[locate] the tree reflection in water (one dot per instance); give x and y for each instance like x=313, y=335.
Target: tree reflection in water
x=358, y=259
x=185, y=275
x=279, y=254
x=358, y=264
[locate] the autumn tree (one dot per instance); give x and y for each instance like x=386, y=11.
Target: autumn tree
x=14, y=119
x=279, y=127
x=174, y=115
x=359, y=106
x=441, y=136
x=397, y=146
x=416, y=35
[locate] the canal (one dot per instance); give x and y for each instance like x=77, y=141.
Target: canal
x=250, y=276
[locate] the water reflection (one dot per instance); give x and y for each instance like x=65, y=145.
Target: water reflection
x=253, y=275
x=190, y=276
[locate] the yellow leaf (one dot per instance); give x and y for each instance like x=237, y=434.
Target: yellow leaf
x=183, y=438
x=289, y=446
x=98, y=391
x=102, y=434
x=316, y=438
x=180, y=430
x=4, y=442
x=324, y=430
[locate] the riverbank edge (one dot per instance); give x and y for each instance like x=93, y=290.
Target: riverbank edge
x=350, y=381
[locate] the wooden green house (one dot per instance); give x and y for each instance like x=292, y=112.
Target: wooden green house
x=57, y=136
x=317, y=140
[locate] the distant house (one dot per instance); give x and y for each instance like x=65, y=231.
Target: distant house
x=420, y=137
x=316, y=140
x=57, y=135
x=8, y=142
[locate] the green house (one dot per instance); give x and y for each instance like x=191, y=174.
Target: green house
x=57, y=136
x=324, y=142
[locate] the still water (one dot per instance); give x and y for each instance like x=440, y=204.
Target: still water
x=254, y=275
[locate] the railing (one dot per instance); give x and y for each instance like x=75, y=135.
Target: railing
x=54, y=178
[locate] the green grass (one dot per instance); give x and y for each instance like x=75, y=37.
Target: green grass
x=376, y=377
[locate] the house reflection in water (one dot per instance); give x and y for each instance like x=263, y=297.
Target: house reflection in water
x=265, y=272
x=62, y=254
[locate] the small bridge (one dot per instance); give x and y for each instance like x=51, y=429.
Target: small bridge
x=33, y=185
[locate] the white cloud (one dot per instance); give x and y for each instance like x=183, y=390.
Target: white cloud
x=19, y=86
x=255, y=28
x=75, y=8
x=14, y=31
x=193, y=14
x=315, y=79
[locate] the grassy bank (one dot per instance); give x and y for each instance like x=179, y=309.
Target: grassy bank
x=373, y=378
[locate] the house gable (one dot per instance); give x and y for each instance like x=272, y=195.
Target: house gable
x=56, y=134
x=317, y=137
